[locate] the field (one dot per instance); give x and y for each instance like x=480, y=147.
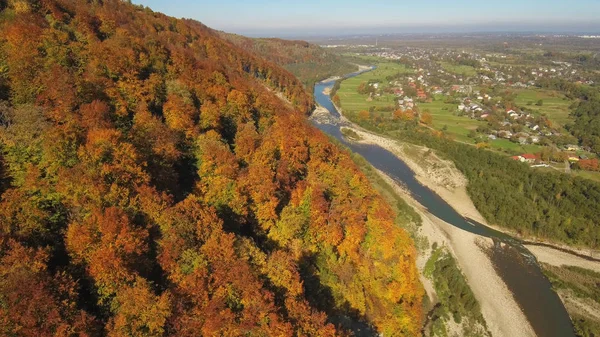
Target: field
x=459, y=69
x=443, y=114
x=352, y=101
x=445, y=119
x=587, y=175
x=555, y=105
x=505, y=144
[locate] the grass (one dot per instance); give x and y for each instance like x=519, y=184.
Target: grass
x=555, y=104
x=587, y=175
x=459, y=69
x=511, y=63
x=352, y=101
x=505, y=144
x=445, y=119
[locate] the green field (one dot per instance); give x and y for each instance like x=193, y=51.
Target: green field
x=505, y=144
x=555, y=106
x=459, y=69
x=587, y=175
x=512, y=63
x=352, y=101
x=444, y=118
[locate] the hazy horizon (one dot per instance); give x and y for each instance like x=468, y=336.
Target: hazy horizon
x=311, y=18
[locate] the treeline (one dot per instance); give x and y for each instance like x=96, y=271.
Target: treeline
x=156, y=186
x=310, y=63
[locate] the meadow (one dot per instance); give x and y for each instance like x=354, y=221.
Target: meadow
x=459, y=69
x=444, y=114
x=555, y=105
x=352, y=101
x=445, y=118
x=507, y=145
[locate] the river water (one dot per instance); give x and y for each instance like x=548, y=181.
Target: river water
x=516, y=266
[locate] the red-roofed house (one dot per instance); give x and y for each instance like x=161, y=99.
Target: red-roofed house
x=530, y=158
x=525, y=158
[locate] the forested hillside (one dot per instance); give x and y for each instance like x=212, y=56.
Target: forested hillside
x=310, y=63
x=154, y=184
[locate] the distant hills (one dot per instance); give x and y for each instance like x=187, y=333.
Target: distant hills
x=309, y=62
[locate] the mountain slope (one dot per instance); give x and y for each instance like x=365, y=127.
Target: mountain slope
x=309, y=62
x=158, y=186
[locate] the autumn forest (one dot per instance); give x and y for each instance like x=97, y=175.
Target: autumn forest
x=150, y=186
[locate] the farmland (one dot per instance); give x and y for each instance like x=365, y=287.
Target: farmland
x=459, y=69
x=444, y=114
x=445, y=119
x=554, y=104
x=352, y=101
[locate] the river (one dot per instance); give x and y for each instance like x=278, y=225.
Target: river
x=517, y=267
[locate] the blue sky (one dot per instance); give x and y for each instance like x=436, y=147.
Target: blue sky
x=289, y=17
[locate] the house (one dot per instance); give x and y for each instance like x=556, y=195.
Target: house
x=529, y=158
x=573, y=158
x=484, y=116
x=571, y=147
x=535, y=128
x=525, y=158
x=492, y=137
x=505, y=134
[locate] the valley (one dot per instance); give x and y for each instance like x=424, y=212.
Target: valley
x=437, y=177
x=298, y=169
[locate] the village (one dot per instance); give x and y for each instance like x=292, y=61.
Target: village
x=486, y=99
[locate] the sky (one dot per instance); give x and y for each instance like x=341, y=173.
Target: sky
x=338, y=17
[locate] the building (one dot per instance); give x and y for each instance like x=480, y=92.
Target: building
x=525, y=158
x=530, y=158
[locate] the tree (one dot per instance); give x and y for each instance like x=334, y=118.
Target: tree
x=139, y=312
x=159, y=182
x=364, y=115
x=426, y=118
x=34, y=302
x=337, y=101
